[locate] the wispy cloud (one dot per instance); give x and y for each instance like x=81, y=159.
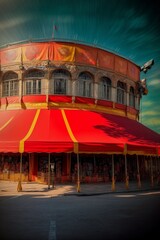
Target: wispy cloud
x=152, y=122
x=12, y=23
x=150, y=113
x=147, y=103
x=151, y=117
x=154, y=82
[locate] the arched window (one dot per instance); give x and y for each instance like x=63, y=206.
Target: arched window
x=131, y=97
x=59, y=82
x=85, y=83
x=121, y=92
x=10, y=84
x=32, y=82
x=105, y=88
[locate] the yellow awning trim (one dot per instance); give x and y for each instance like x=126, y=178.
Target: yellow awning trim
x=21, y=144
x=6, y=123
x=70, y=131
x=125, y=148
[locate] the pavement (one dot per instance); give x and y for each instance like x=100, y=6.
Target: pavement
x=9, y=188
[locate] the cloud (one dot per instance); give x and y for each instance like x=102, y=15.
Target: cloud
x=138, y=22
x=147, y=103
x=154, y=82
x=152, y=122
x=150, y=113
x=14, y=22
x=151, y=117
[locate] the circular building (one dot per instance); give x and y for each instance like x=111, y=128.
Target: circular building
x=70, y=113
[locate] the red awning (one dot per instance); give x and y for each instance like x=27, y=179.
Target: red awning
x=34, y=131
x=102, y=132
x=71, y=130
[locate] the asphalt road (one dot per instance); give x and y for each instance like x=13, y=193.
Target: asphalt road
x=109, y=216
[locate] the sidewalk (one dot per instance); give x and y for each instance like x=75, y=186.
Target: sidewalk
x=8, y=188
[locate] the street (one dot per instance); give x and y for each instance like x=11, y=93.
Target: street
x=109, y=216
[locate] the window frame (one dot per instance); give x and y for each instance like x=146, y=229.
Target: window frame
x=85, y=84
x=121, y=91
x=105, y=85
x=131, y=97
x=58, y=84
x=10, y=84
x=33, y=82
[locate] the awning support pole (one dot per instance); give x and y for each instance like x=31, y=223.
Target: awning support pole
x=113, y=177
x=152, y=182
x=126, y=173
x=78, y=174
x=49, y=170
x=158, y=171
x=19, y=186
x=138, y=174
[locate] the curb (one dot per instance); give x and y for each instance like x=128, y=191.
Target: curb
x=112, y=192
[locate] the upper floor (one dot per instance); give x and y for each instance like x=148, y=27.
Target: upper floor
x=72, y=73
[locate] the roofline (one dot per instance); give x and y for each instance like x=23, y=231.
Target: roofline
x=42, y=40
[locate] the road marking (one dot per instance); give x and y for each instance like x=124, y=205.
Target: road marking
x=16, y=196
x=8, y=197
x=52, y=231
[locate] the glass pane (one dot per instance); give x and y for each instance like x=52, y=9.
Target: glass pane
x=60, y=86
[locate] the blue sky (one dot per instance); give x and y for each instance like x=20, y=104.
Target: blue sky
x=128, y=28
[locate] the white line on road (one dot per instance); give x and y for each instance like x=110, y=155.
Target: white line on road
x=16, y=196
x=52, y=231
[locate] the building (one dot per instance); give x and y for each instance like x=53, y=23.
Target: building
x=71, y=112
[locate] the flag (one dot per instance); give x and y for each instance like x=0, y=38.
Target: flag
x=54, y=29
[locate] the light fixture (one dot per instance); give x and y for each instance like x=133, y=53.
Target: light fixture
x=21, y=67
x=147, y=65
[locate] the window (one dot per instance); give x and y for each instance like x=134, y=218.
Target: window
x=131, y=97
x=59, y=81
x=33, y=86
x=32, y=82
x=105, y=88
x=121, y=92
x=10, y=85
x=85, y=82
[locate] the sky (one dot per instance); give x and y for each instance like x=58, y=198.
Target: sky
x=128, y=28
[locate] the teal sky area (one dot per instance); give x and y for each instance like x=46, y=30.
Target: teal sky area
x=128, y=28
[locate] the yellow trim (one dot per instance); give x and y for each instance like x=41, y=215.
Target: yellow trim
x=107, y=153
x=21, y=144
x=14, y=106
x=125, y=148
x=70, y=131
x=91, y=107
x=140, y=153
x=6, y=123
x=35, y=105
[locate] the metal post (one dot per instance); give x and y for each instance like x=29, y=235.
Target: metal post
x=78, y=174
x=19, y=187
x=52, y=172
x=126, y=173
x=53, y=180
x=49, y=170
x=152, y=182
x=113, y=177
x=138, y=174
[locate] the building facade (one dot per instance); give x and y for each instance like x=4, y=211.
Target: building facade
x=71, y=112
